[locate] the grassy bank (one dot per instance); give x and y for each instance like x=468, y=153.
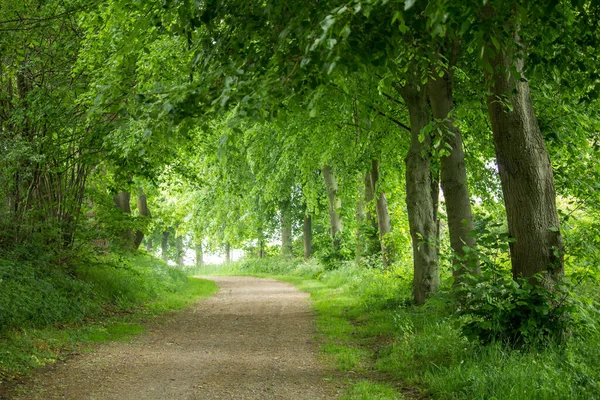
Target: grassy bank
x=47, y=314
x=390, y=349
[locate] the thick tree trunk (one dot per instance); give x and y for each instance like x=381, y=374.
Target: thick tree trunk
x=199, y=254
x=307, y=233
x=142, y=205
x=525, y=171
x=418, y=197
x=286, y=228
x=122, y=201
x=334, y=216
x=453, y=176
x=164, y=246
x=227, y=253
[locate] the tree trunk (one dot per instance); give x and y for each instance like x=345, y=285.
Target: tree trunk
x=286, y=228
x=149, y=244
x=164, y=245
x=227, y=253
x=384, y=225
x=525, y=170
x=143, y=211
x=372, y=226
x=361, y=233
x=122, y=201
x=334, y=216
x=453, y=176
x=199, y=254
x=179, y=250
x=418, y=197
x=435, y=198
x=307, y=230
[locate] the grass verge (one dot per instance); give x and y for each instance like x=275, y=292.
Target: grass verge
x=119, y=296
x=390, y=349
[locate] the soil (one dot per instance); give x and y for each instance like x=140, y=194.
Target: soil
x=254, y=340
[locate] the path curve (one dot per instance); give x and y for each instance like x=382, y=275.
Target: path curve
x=253, y=340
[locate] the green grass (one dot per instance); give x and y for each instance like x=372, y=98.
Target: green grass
x=365, y=390
x=119, y=294
x=370, y=329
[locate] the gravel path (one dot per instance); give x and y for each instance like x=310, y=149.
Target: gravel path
x=253, y=340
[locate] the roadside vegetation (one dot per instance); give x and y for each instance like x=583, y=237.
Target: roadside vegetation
x=49, y=314
x=388, y=348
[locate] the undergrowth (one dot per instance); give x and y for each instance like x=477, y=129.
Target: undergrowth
x=370, y=328
x=46, y=313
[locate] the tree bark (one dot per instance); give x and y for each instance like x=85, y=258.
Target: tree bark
x=307, y=231
x=372, y=226
x=199, y=254
x=122, y=201
x=143, y=211
x=384, y=225
x=164, y=246
x=179, y=250
x=286, y=228
x=227, y=253
x=453, y=176
x=361, y=233
x=525, y=170
x=418, y=197
x=149, y=244
x=334, y=217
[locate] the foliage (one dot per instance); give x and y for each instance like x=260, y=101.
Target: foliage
x=47, y=315
x=500, y=308
x=495, y=306
x=362, y=315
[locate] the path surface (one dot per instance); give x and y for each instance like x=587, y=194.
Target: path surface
x=253, y=340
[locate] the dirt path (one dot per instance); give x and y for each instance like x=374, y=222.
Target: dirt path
x=253, y=340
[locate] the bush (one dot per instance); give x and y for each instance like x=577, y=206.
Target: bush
x=495, y=307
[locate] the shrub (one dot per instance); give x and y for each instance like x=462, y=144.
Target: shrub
x=496, y=307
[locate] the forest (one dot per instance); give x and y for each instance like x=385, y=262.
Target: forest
x=429, y=170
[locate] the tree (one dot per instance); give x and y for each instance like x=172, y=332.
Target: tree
x=523, y=161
